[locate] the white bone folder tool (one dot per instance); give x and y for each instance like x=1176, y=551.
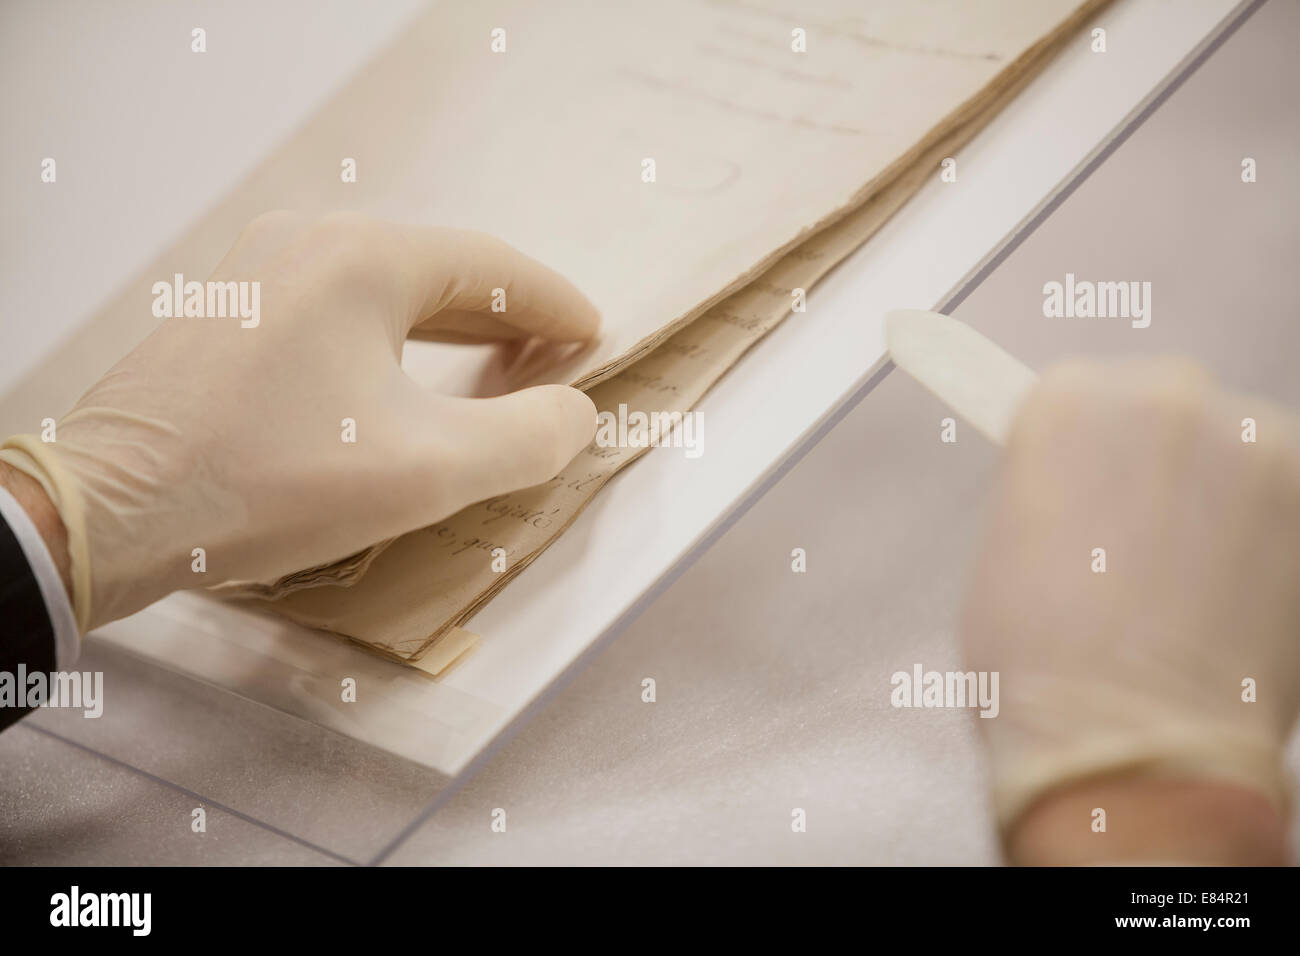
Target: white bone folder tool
x=977, y=379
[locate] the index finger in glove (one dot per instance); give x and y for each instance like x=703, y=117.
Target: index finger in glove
x=432, y=277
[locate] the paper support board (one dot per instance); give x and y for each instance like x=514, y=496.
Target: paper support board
x=542, y=629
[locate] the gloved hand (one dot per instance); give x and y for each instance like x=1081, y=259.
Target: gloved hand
x=229, y=438
x=1139, y=670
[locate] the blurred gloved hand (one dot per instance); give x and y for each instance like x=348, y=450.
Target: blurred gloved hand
x=1140, y=669
x=230, y=438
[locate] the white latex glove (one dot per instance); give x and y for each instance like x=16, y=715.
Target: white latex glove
x=1139, y=670
x=216, y=436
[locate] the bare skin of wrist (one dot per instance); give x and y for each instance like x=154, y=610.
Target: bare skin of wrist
x=31, y=497
x=1152, y=821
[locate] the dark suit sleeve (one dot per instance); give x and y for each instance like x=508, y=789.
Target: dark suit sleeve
x=26, y=631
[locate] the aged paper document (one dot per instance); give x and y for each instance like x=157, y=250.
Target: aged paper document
x=399, y=599
x=685, y=163
x=754, y=147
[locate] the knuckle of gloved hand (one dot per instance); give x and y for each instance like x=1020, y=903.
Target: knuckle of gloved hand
x=343, y=250
x=1169, y=394
x=473, y=241
x=270, y=223
x=346, y=221
x=341, y=234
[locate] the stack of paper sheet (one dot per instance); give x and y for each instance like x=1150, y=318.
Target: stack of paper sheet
x=813, y=152
x=689, y=164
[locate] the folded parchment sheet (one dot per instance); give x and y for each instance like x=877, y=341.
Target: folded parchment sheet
x=770, y=166
x=401, y=598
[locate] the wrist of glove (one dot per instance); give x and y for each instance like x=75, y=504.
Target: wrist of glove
x=27, y=454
